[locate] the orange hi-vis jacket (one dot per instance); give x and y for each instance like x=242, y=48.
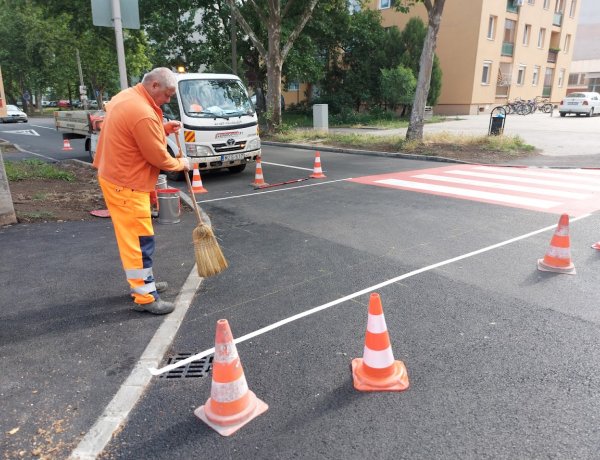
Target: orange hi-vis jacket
x=131, y=149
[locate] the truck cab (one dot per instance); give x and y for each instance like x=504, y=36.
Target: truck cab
x=219, y=122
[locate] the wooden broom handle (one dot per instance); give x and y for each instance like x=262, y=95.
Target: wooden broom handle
x=189, y=183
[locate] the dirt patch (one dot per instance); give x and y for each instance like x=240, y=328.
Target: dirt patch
x=472, y=153
x=51, y=200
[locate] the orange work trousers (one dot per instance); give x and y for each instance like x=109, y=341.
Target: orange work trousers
x=130, y=213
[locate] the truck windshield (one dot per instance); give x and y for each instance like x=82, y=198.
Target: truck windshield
x=214, y=98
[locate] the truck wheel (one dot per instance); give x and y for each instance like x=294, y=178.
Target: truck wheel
x=88, y=148
x=176, y=176
x=237, y=169
x=563, y=114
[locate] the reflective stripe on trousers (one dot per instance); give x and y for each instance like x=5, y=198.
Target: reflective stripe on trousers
x=130, y=213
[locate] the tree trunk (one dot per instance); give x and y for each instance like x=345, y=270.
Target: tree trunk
x=415, y=126
x=274, y=66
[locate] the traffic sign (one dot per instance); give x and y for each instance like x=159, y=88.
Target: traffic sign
x=102, y=14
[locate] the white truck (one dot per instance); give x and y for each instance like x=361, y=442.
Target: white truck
x=219, y=123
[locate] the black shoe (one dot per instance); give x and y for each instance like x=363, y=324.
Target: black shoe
x=158, y=307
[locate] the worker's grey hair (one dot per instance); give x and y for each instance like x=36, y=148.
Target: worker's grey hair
x=165, y=77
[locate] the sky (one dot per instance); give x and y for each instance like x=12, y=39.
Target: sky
x=590, y=12
x=587, y=38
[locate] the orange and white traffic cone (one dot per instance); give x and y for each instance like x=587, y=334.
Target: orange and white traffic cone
x=66, y=144
x=197, y=181
x=596, y=245
x=377, y=370
x=317, y=171
x=558, y=255
x=231, y=404
x=259, y=180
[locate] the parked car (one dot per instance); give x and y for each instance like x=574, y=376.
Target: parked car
x=578, y=103
x=14, y=115
x=64, y=104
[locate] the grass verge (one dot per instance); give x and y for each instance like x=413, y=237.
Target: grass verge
x=35, y=169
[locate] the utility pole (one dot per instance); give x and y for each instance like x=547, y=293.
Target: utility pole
x=233, y=46
x=82, y=89
x=116, y=13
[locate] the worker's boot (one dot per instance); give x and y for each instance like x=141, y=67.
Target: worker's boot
x=158, y=307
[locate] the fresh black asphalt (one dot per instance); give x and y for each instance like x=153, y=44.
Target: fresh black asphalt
x=501, y=357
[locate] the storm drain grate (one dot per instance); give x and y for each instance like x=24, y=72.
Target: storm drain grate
x=199, y=368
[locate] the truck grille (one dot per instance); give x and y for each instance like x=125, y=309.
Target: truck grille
x=225, y=148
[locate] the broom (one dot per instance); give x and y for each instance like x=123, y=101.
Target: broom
x=209, y=257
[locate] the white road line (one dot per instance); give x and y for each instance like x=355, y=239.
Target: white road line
x=283, y=322
x=45, y=127
x=560, y=184
x=272, y=191
x=470, y=193
x=548, y=174
x=286, y=166
x=117, y=411
x=515, y=188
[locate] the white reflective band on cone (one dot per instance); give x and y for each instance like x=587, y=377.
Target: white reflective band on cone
x=561, y=253
x=378, y=359
x=225, y=353
x=376, y=324
x=228, y=392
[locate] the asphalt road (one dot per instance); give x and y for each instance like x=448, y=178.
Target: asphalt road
x=501, y=357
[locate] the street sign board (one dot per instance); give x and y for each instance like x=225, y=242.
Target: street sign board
x=102, y=15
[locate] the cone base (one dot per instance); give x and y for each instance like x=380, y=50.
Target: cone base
x=259, y=184
x=542, y=266
x=318, y=176
x=227, y=425
x=398, y=381
x=596, y=245
x=197, y=190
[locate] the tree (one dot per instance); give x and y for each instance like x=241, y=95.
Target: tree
x=434, y=15
x=398, y=86
x=278, y=46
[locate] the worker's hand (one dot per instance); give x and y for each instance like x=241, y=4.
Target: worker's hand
x=172, y=127
x=186, y=164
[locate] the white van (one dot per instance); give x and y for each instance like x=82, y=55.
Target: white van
x=219, y=122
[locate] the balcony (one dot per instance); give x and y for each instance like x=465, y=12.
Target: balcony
x=511, y=7
x=507, y=49
x=552, y=56
x=557, y=19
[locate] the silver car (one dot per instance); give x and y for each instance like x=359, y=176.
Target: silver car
x=14, y=114
x=578, y=103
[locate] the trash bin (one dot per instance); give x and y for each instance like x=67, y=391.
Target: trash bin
x=169, y=206
x=497, y=118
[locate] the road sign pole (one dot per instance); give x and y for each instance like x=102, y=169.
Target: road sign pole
x=116, y=12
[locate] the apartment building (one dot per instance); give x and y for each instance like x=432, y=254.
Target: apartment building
x=492, y=51
x=585, y=68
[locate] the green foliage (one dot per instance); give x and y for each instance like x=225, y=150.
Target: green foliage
x=27, y=169
x=398, y=86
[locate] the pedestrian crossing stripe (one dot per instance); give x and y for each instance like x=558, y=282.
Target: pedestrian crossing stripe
x=557, y=191
x=26, y=132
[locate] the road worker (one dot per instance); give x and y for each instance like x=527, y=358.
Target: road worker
x=131, y=152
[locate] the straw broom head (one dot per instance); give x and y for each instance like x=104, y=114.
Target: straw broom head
x=209, y=257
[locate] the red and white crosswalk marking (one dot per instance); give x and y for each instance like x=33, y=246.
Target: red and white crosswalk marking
x=572, y=191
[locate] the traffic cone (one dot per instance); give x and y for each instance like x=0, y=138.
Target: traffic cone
x=317, y=171
x=66, y=144
x=231, y=404
x=259, y=180
x=377, y=370
x=596, y=245
x=558, y=255
x=197, y=181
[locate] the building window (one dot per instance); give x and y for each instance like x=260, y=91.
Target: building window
x=521, y=75
x=293, y=86
x=526, y=34
x=353, y=6
x=546, y=4
x=561, y=78
x=559, y=6
x=383, y=4
x=574, y=79
x=485, y=74
x=541, y=38
x=573, y=8
x=536, y=75
x=531, y=2
x=548, y=78
x=491, y=32
x=567, y=43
